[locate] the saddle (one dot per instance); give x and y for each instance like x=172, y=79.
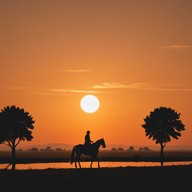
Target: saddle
x=87, y=148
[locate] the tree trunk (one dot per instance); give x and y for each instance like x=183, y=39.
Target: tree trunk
x=13, y=158
x=161, y=154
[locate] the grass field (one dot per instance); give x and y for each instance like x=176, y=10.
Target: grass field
x=131, y=179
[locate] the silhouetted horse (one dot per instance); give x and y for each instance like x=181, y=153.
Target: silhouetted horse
x=91, y=151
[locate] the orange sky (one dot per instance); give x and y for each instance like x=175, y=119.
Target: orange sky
x=134, y=55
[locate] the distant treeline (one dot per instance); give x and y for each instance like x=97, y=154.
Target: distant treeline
x=104, y=155
x=49, y=149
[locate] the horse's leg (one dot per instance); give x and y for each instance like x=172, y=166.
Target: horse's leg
x=92, y=159
x=98, y=162
x=79, y=163
x=78, y=159
x=75, y=162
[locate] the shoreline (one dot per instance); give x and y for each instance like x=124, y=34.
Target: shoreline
x=64, y=160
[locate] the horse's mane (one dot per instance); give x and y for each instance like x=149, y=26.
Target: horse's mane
x=99, y=140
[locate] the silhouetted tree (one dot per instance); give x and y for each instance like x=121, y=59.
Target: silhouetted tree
x=144, y=149
x=15, y=126
x=131, y=149
x=114, y=149
x=161, y=125
x=120, y=149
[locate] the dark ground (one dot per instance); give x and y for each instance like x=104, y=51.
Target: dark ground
x=130, y=179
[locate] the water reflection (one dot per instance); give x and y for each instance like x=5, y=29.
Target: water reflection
x=87, y=165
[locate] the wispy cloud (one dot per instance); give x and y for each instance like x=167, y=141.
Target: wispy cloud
x=113, y=88
x=42, y=93
x=61, y=91
x=143, y=86
x=68, y=92
x=105, y=88
x=74, y=70
x=120, y=85
x=109, y=86
x=169, y=87
x=176, y=47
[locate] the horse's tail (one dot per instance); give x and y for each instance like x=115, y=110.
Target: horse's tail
x=72, y=155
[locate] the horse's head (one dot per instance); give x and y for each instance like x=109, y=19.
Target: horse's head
x=102, y=142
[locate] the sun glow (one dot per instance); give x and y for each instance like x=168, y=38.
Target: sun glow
x=89, y=104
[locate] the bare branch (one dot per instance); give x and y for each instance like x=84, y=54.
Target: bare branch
x=17, y=142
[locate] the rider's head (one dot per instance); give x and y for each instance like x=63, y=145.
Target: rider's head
x=88, y=132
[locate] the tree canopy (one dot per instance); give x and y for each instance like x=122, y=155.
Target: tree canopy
x=162, y=124
x=15, y=125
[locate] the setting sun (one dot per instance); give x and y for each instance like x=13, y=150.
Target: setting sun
x=89, y=104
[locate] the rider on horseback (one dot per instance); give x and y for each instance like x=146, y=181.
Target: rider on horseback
x=88, y=141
